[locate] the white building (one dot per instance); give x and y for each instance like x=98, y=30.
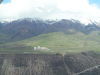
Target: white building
x=41, y=48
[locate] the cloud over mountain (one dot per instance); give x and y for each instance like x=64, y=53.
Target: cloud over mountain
x=50, y=9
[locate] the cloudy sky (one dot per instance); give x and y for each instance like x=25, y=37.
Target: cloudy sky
x=83, y=10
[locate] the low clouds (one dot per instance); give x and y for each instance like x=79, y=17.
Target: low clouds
x=50, y=9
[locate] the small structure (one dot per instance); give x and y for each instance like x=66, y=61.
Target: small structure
x=41, y=48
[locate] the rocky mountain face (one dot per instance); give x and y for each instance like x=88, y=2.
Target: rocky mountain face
x=50, y=64
x=25, y=28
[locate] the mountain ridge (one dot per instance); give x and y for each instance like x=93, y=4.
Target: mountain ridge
x=59, y=36
x=25, y=28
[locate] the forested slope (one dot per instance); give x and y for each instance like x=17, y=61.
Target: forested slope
x=48, y=64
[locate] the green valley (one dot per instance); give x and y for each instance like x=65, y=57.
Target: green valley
x=56, y=42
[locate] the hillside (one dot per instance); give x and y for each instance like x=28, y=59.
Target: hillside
x=49, y=64
x=56, y=42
